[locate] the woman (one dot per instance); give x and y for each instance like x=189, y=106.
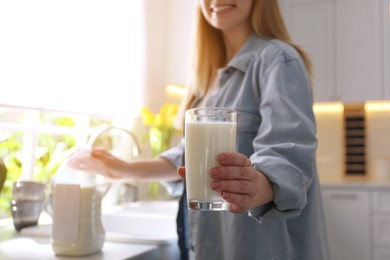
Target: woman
x=245, y=60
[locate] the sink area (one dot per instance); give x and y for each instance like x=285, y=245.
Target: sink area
x=147, y=222
x=153, y=221
x=143, y=222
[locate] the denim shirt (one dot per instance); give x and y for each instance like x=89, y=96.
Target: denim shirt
x=267, y=83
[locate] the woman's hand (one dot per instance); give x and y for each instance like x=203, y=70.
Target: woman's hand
x=238, y=182
x=116, y=168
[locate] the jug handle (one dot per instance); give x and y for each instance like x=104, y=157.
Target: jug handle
x=108, y=186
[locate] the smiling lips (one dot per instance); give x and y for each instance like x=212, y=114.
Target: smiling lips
x=221, y=8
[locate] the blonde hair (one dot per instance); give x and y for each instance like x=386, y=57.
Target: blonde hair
x=209, y=52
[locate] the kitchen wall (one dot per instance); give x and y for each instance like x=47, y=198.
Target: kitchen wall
x=168, y=33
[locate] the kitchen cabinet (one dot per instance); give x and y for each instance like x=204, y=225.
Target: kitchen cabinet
x=357, y=215
x=347, y=216
x=386, y=38
x=381, y=225
x=347, y=41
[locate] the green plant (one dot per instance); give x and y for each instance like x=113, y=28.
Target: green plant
x=161, y=126
x=49, y=153
x=10, y=151
x=3, y=174
x=160, y=133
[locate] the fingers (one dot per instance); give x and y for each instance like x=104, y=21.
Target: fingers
x=237, y=185
x=182, y=172
x=233, y=159
x=244, y=197
x=100, y=152
x=233, y=166
x=241, y=185
x=232, y=173
x=238, y=203
x=115, y=167
x=235, y=175
x=234, y=186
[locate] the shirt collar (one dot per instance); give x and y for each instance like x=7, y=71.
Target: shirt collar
x=244, y=56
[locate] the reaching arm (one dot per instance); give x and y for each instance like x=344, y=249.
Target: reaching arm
x=143, y=170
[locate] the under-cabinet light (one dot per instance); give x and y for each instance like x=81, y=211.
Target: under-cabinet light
x=377, y=106
x=328, y=107
x=177, y=90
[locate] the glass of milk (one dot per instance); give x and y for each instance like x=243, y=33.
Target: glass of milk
x=208, y=132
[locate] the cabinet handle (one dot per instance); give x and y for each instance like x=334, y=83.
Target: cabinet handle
x=349, y=196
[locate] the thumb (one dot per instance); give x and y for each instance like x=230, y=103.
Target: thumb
x=182, y=171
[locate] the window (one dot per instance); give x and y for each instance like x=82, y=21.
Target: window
x=33, y=143
x=76, y=55
x=66, y=68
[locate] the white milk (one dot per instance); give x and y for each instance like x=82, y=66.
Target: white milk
x=77, y=226
x=204, y=140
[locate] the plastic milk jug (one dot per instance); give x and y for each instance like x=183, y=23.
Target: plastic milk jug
x=77, y=228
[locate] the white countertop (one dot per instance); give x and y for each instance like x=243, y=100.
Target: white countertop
x=361, y=182
x=14, y=245
x=145, y=235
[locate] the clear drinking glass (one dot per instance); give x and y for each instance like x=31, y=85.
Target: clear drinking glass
x=27, y=203
x=208, y=132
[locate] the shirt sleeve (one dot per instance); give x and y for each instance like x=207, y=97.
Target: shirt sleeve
x=175, y=154
x=175, y=157
x=285, y=144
